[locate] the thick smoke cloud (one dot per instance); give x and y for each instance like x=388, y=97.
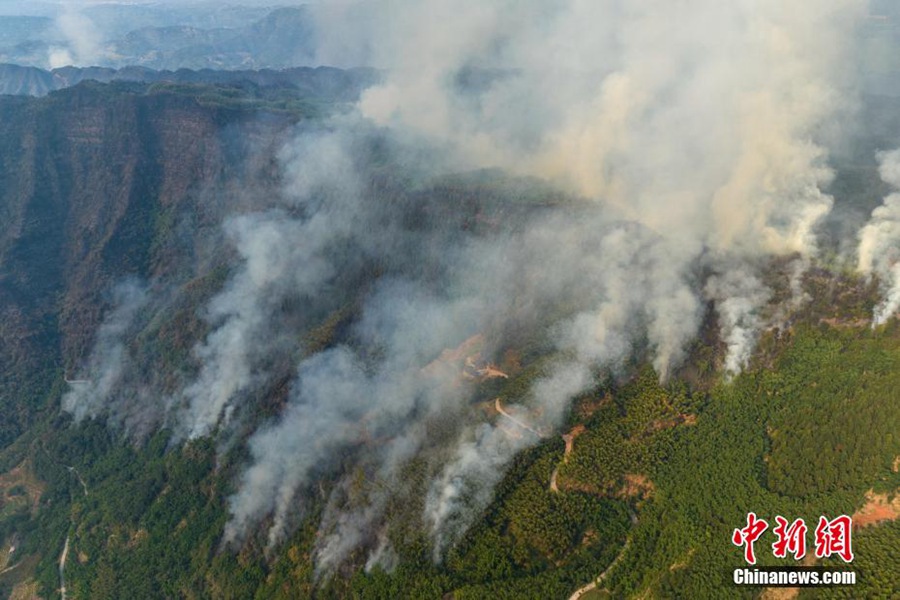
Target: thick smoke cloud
x=739, y=298
x=878, y=241
x=110, y=360
x=384, y=384
x=703, y=128
x=339, y=400
x=476, y=468
x=281, y=257
x=702, y=133
x=684, y=136
x=82, y=40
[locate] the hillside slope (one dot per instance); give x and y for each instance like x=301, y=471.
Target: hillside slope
x=125, y=191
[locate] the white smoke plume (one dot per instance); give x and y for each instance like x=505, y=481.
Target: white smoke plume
x=739, y=297
x=704, y=128
x=678, y=131
x=83, y=41
x=686, y=140
x=338, y=400
x=476, y=468
x=879, y=241
x=96, y=385
x=282, y=256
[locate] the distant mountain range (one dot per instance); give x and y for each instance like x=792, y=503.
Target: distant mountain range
x=120, y=35
x=339, y=85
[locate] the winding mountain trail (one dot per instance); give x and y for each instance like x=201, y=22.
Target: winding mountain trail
x=8, y=569
x=80, y=480
x=522, y=424
x=599, y=579
x=63, y=557
x=62, y=568
x=65, y=552
x=69, y=468
x=569, y=439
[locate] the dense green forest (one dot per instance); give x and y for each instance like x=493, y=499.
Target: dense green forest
x=659, y=478
x=643, y=484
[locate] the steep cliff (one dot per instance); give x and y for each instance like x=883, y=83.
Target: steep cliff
x=98, y=183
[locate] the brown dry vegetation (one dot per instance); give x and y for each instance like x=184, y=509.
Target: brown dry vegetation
x=569, y=439
x=636, y=485
x=27, y=590
x=586, y=407
x=845, y=323
x=878, y=508
x=19, y=486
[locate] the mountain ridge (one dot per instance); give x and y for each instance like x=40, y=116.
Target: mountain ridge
x=339, y=84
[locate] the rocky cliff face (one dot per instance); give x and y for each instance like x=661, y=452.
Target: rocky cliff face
x=98, y=183
x=329, y=84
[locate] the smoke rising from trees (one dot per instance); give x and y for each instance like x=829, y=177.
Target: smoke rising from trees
x=683, y=140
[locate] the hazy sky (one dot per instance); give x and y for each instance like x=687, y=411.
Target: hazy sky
x=49, y=8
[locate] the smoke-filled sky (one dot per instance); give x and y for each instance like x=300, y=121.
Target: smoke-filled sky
x=688, y=143
x=879, y=241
